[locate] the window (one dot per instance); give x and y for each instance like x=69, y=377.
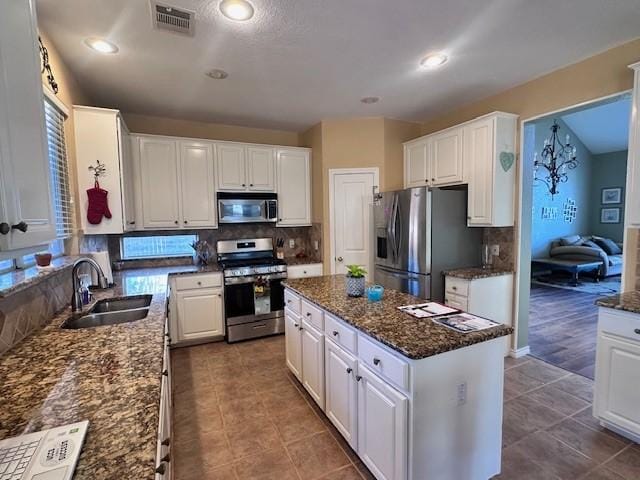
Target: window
x=157, y=246
x=6, y=266
x=62, y=201
x=55, y=248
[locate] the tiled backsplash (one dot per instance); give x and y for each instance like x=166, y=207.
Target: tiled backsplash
x=303, y=238
x=25, y=311
x=504, y=237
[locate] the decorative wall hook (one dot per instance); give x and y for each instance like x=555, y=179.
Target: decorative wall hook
x=99, y=170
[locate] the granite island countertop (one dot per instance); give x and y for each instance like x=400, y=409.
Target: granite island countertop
x=109, y=375
x=628, y=301
x=474, y=273
x=414, y=338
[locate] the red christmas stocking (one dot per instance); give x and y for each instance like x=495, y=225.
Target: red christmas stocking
x=98, y=205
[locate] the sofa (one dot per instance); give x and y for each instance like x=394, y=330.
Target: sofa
x=591, y=249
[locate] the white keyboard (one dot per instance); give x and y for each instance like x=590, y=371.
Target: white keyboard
x=47, y=455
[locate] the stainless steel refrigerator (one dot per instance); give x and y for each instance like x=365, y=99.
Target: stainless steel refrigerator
x=419, y=233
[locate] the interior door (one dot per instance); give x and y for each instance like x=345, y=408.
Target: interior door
x=159, y=180
x=351, y=227
x=197, y=188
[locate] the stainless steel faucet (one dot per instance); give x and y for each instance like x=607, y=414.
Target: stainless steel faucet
x=76, y=299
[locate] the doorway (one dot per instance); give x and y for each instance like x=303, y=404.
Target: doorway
x=572, y=227
x=350, y=223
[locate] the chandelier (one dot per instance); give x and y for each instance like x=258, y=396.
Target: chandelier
x=557, y=158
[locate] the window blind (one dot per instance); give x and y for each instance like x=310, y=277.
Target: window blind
x=62, y=201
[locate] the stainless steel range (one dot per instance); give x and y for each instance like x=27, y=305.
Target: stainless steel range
x=253, y=291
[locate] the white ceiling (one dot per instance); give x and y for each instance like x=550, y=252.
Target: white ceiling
x=299, y=61
x=603, y=128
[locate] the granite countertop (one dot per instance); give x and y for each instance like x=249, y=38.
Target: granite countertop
x=473, y=273
x=109, y=375
x=412, y=337
x=17, y=280
x=629, y=302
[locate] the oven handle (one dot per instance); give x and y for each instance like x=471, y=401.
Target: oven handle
x=253, y=278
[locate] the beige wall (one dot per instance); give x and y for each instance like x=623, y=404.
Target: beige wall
x=371, y=142
x=214, y=131
x=70, y=93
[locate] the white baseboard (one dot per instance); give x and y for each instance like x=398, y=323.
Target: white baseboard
x=520, y=352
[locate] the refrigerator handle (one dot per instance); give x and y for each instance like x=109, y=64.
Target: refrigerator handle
x=392, y=229
x=398, y=233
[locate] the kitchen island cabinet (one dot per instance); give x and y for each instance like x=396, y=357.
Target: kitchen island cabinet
x=415, y=400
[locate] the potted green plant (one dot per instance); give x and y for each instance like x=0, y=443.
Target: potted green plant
x=355, y=280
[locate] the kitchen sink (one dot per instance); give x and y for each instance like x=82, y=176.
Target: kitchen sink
x=121, y=303
x=108, y=318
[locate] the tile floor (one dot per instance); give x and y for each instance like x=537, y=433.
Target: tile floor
x=239, y=414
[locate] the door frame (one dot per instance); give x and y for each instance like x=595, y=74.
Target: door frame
x=333, y=173
x=516, y=350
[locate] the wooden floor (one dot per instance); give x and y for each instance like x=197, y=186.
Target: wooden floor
x=562, y=328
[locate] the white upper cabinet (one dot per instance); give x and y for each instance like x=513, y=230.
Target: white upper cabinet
x=231, y=167
x=176, y=181
x=480, y=153
x=159, y=183
x=489, y=151
x=417, y=166
x=294, y=187
x=25, y=187
x=197, y=185
x=446, y=157
x=633, y=162
x=245, y=168
x=102, y=135
x=261, y=171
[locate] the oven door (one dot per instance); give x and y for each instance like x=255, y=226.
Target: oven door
x=247, y=299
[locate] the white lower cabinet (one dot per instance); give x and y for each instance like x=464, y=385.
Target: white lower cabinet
x=382, y=426
x=196, y=308
x=341, y=391
x=293, y=342
x=313, y=362
x=304, y=271
x=617, y=396
x=164, y=466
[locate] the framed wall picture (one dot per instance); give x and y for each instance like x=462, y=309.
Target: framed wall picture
x=610, y=215
x=611, y=195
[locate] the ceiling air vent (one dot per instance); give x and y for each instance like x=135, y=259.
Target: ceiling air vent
x=166, y=17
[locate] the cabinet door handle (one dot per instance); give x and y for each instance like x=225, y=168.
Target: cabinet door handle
x=251, y=184
x=637, y=330
x=300, y=328
x=4, y=228
x=376, y=361
x=308, y=314
x=176, y=222
x=335, y=333
x=22, y=226
x=358, y=378
x=296, y=325
x=166, y=441
x=185, y=222
x=454, y=287
x=165, y=373
x=161, y=469
x=132, y=223
x=349, y=370
x=243, y=185
x=166, y=458
x=199, y=283
x=433, y=179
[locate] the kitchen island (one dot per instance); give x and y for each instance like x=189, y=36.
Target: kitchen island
x=414, y=399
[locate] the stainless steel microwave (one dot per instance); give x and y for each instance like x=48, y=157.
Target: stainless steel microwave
x=247, y=207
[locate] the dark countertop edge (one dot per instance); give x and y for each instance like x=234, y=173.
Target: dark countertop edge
x=474, y=273
x=500, y=331
x=626, y=302
x=27, y=278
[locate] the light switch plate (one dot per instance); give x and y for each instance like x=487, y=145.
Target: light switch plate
x=292, y=243
x=495, y=250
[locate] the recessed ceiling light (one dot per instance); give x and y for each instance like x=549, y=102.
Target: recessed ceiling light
x=101, y=45
x=217, y=74
x=369, y=100
x=239, y=10
x=433, y=60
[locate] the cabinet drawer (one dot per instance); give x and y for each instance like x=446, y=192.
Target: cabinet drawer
x=457, y=286
x=340, y=333
x=303, y=271
x=622, y=324
x=201, y=280
x=292, y=301
x=312, y=314
x=456, y=301
x=384, y=363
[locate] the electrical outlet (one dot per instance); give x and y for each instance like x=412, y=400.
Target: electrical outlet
x=495, y=250
x=462, y=393
x=292, y=243
x=316, y=245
